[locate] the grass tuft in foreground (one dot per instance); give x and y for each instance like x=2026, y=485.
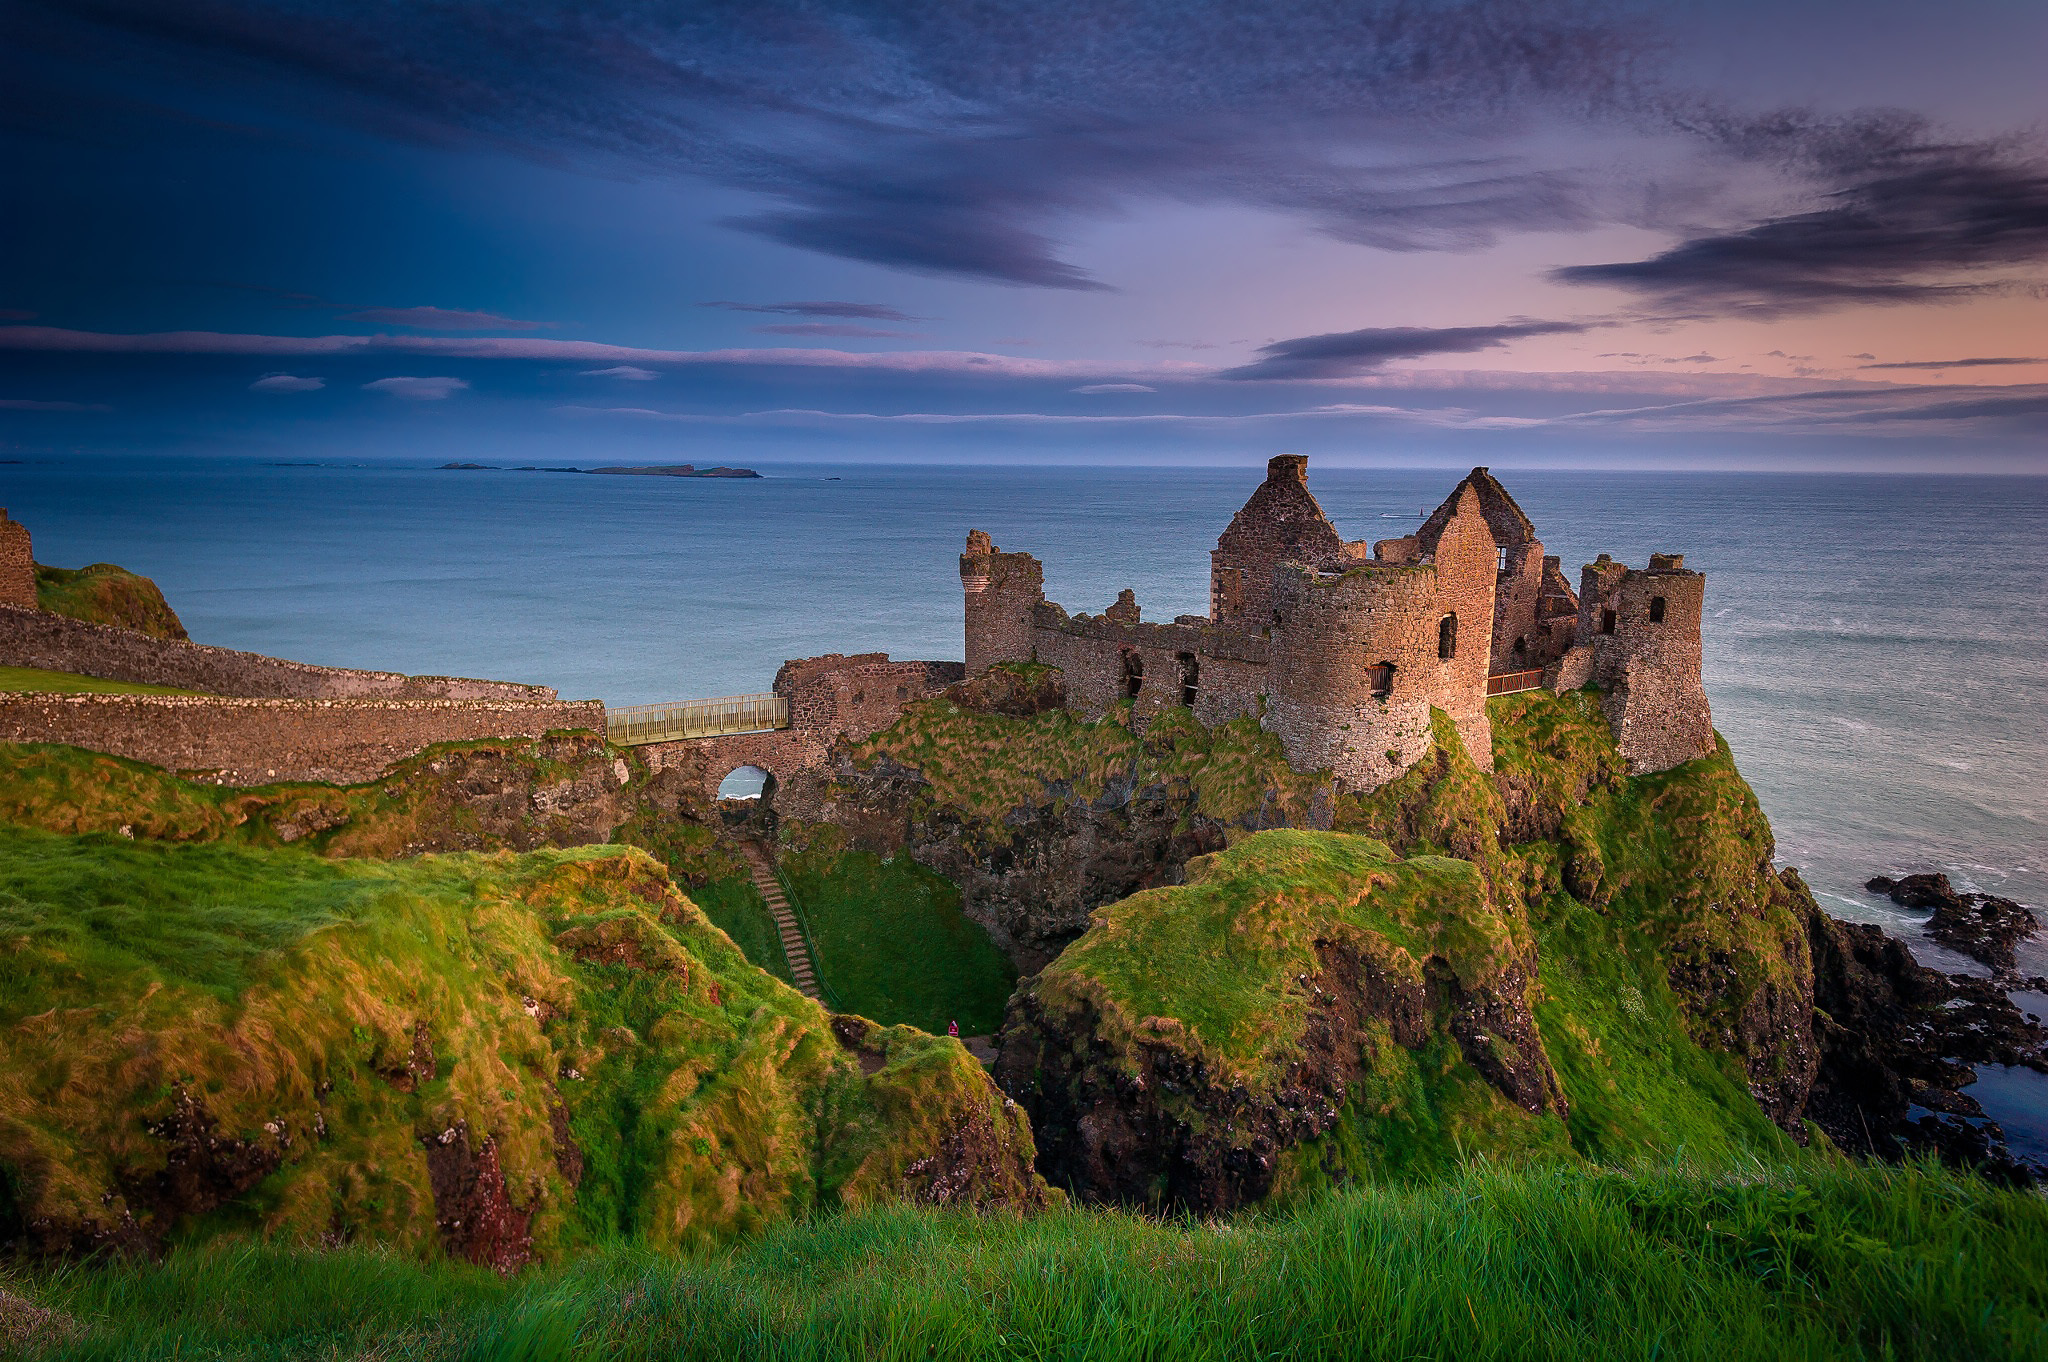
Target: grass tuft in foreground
x=1832, y=1261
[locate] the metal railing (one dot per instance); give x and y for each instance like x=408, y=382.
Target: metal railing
x=631, y=724
x=1508, y=683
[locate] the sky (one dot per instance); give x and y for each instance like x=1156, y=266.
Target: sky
x=1715, y=235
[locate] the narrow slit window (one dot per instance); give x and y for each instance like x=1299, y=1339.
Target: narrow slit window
x=1134, y=674
x=1190, y=678
x=1656, y=609
x=1447, y=637
x=1606, y=621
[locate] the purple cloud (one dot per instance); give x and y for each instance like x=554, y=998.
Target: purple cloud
x=417, y=389
x=286, y=383
x=873, y=312
x=630, y=373
x=1341, y=354
x=829, y=329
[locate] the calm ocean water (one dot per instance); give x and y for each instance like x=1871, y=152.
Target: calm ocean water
x=1877, y=647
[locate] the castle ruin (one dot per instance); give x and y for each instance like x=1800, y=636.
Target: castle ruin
x=1343, y=649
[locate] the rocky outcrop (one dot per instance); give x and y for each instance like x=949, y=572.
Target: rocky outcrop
x=1041, y=817
x=1982, y=926
x=1898, y=1044
x=1198, y=1038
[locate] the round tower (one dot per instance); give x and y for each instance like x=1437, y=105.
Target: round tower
x=1355, y=668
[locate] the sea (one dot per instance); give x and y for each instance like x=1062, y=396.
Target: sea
x=1876, y=646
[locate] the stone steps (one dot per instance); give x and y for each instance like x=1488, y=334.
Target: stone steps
x=793, y=948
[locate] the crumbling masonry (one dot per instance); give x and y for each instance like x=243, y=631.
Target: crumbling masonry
x=1343, y=649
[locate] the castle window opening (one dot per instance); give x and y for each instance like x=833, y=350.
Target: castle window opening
x=1134, y=673
x=1656, y=609
x=903, y=692
x=860, y=697
x=1521, y=646
x=1190, y=677
x=747, y=782
x=1447, y=637
x=1382, y=680
x=1503, y=551
x=1606, y=621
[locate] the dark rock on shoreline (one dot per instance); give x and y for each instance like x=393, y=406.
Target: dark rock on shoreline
x=1898, y=1041
x=1981, y=926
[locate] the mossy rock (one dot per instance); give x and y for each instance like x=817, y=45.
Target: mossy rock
x=493, y=1056
x=105, y=594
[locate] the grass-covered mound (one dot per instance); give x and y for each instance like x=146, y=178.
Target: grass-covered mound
x=890, y=941
x=105, y=594
x=1553, y=961
x=1493, y=1266
x=493, y=1055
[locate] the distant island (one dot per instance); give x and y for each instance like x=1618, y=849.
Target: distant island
x=657, y=470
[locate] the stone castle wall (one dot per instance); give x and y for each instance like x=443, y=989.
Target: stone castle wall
x=17, y=564
x=37, y=638
x=854, y=696
x=255, y=741
x=1002, y=592
x=1099, y=655
x=1643, y=630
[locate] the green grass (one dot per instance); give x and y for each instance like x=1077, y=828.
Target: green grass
x=893, y=945
x=105, y=594
x=40, y=682
x=1824, y=1262
x=285, y=993
x=739, y=911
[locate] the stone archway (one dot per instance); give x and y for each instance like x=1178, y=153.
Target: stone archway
x=746, y=783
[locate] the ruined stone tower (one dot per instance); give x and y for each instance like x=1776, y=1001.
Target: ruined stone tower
x=17, y=564
x=1342, y=650
x=1639, y=642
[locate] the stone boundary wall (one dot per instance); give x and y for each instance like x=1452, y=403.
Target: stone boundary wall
x=17, y=564
x=255, y=741
x=57, y=643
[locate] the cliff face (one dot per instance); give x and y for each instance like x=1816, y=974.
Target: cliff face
x=1555, y=961
x=1041, y=817
x=498, y=1057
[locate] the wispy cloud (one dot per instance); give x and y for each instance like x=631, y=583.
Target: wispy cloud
x=29, y=404
x=873, y=312
x=417, y=389
x=1341, y=354
x=1115, y=388
x=59, y=339
x=627, y=372
x=841, y=329
x=286, y=383
x=440, y=319
x=1986, y=362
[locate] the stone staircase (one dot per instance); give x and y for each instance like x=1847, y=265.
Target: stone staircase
x=793, y=948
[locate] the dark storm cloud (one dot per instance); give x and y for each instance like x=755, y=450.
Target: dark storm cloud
x=946, y=138
x=1911, y=224
x=873, y=312
x=1341, y=354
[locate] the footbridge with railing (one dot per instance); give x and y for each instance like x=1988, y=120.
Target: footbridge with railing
x=633, y=725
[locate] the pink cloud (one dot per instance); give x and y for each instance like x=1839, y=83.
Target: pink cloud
x=417, y=389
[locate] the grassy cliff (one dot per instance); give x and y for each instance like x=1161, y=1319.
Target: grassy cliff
x=1549, y=962
x=105, y=594
x=494, y=1056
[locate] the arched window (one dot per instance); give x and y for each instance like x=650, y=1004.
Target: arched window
x=1521, y=646
x=1656, y=609
x=1606, y=621
x=1447, y=637
x=748, y=782
x=1134, y=673
x=1190, y=677
x=1382, y=680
